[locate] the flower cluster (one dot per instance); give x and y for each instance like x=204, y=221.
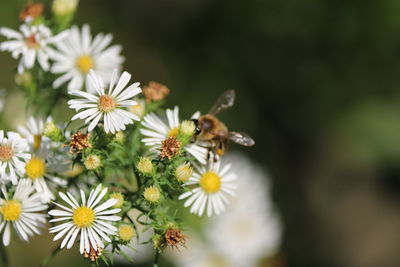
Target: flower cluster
x=120, y=162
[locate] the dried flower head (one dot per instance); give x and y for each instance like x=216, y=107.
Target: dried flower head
x=170, y=147
x=31, y=11
x=174, y=237
x=79, y=141
x=155, y=91
x=93, y=255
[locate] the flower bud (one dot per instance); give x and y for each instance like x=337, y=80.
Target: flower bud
x=183, y=172
x=187, y=128
x=53, y=132
x=145, y=166
x=120, y=199
x=92, y=162
x=119, y=137
x=158, y=241
x=126, y=232
x=23, y=79
x=152, y=194
x=64, y=7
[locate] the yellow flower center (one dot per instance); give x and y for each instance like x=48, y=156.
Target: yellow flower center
x=106, y=103
x=6, y=153
x=210, y=182
x=37, y=141
x=173, y=132
x=84, y=63
x=83, y=217
x=11, y=210
x=35, y=168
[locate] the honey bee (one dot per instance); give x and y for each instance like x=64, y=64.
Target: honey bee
x=212, y=130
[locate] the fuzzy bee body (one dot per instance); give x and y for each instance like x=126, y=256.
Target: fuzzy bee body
x=210, y=129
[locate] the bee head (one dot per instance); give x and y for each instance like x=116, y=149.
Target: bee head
x=197, y=130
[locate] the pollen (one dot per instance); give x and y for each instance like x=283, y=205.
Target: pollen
x=35, y=168
x=6, y=153
x=210, y=182
x=84, y=64
x=83, y=217
x=106, y=103
x=37, y=141
x=173, y=132
x=11, y=210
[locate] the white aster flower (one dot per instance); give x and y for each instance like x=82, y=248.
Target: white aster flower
x=41, y=169
x=90, y=218
x=31, y=43
x=33, y=132
x=79, y=53
x=212, y=185
x=107, y=107
x=156, y=131
x=21, y=211
x=13, y=156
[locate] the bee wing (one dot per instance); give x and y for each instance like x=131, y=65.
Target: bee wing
x=225, y=101
x=241, y=138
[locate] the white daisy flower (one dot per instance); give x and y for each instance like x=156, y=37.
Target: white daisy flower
x=33, y=132
x=156, y=131
x=13, y=156
x=90, y=218
x=21, y=211
x=107, y=107
x=79, y=53
x=213, y=183
x=31, y=43
x=41, y=169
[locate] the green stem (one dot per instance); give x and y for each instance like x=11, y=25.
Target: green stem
x=51, y=256
x=156, y=258
x=4, y=256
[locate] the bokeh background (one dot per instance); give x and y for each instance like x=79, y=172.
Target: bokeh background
x=318, y=87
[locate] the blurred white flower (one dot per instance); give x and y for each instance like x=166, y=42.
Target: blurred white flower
x=31, y=43
x=34, y=132
x=247, y=232
x=79, y=53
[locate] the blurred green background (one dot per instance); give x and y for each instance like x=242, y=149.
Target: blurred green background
x=318, y=87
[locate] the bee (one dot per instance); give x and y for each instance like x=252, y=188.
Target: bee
x=210, y=129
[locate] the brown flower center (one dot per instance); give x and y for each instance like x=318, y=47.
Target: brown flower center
x=6, y=153
x=170, y=147
x=32, y=42
x=106, y=103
